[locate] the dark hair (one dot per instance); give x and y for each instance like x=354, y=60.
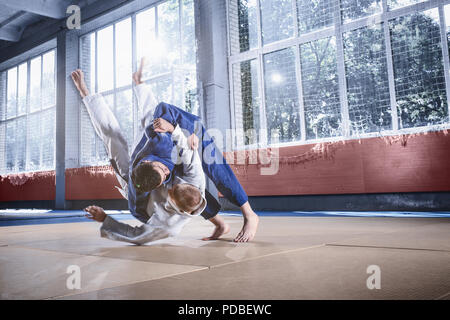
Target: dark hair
x=145, y=178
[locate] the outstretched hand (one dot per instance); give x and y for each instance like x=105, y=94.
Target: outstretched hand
x=95, y=213
x=137, y=76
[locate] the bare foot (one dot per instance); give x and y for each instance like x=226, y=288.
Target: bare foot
x=218, y=232
x=78, y=80
x=248, y=231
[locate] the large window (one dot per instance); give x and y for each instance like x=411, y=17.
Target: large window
x=27, y=115
x=165, y=35
x=322, y=70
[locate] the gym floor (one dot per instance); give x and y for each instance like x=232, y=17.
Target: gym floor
x=293, y=256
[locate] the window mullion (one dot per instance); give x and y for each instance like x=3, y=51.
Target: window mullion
x=263, y=141
x=16, y=161
x=41, y=144
x=114, y=67
x=133, y=69
x=96, y=89
x=390, y=68
x=96, y=62
x=180, y=28
x=445, y=55
x=298, y=72
x=156, y=23
x=235, y=127
x=27, y=111
x=341, y=71
x=301, y=104
x=180, y=25
x=295, y=18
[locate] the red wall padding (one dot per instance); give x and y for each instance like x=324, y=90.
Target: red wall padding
x=410, y=163
x=35, y=186
x=91, y=183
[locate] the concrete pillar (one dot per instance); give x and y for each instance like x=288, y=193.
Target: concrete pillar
x=212, y=67
x=60, y=195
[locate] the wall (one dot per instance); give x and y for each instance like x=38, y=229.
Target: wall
x=409, y=163
x=397, y=165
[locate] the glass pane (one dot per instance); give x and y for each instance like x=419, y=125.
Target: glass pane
x=123, y=53
x=168, y=35
x=191, y=103
x=21, y=136
x=87, y=52
x=178, y=93
x=246, y=99
x=447, y=22
x=146, y=44
x=48, y=78
x=48, y=139
x=105, y=59
x=102, y=156
x=162, y=89
x=394, y=4
x=2, y=95
x=124, y=114
x=188, y=76
x=367, y=80
x=35, y=84
x=354, y=9
x=34, y=142
x=315, y=14
x=188, y=26
x=282, y=109
x=418, y=69
x=87, y=138
x=3, y=148
x=277, y=21
x=243, y=25
x=11, y=108
x=320, y=89
x=11, y=146
x=22, y=89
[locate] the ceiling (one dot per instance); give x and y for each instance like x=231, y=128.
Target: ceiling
x=17, y=15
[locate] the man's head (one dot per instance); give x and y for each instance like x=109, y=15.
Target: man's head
x=186, y=197
x=149, y=175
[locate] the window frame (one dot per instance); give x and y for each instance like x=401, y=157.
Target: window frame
x=112, y=20
x=15, y=63
x=337, y=30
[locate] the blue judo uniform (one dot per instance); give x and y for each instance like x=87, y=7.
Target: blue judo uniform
x=156, y=146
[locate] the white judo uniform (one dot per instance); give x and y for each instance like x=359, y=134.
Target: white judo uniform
x=166, y=219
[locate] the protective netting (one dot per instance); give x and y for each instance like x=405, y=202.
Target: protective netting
x=336, y=83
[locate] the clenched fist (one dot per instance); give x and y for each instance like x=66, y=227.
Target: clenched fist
x=95, y=213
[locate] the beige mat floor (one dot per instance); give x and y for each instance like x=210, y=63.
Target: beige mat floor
x=290, y=258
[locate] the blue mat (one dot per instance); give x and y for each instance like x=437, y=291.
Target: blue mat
x=15, y=218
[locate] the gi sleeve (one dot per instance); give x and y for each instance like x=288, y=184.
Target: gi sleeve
x=108, y=129
x=190, y=160
x=119, y=231
x=146, y=102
